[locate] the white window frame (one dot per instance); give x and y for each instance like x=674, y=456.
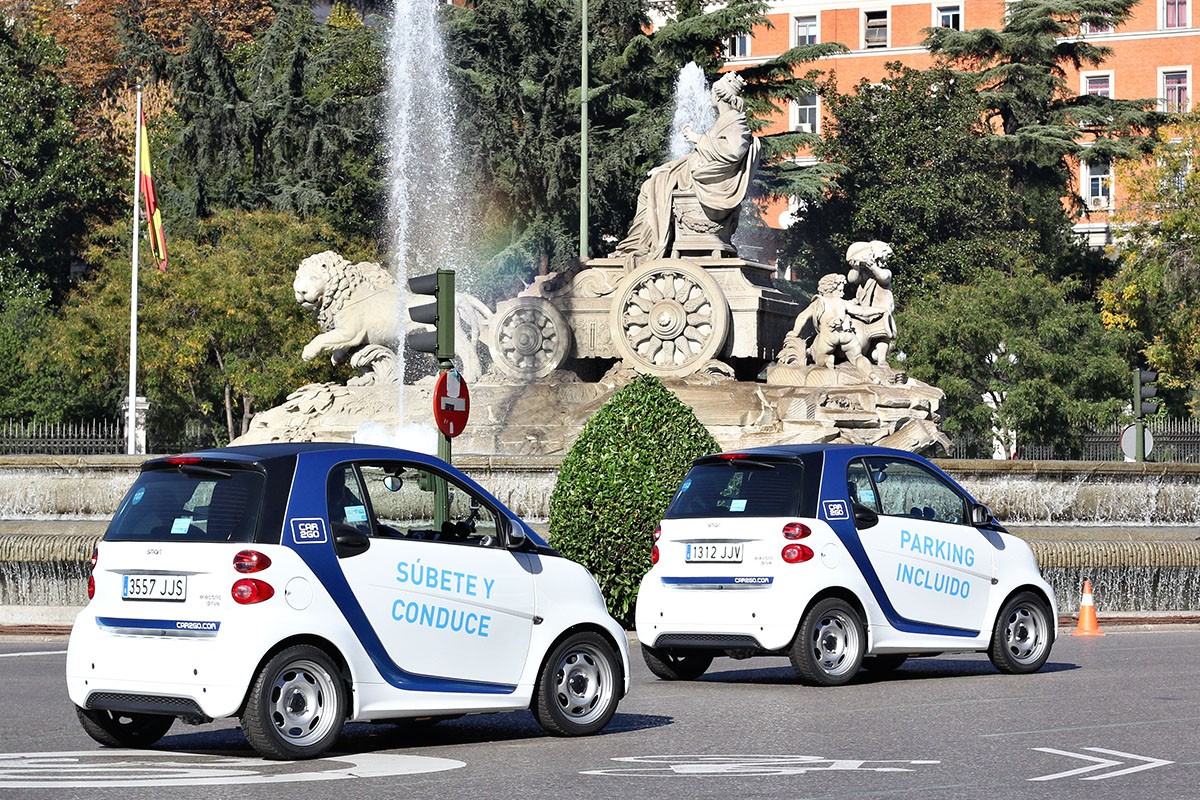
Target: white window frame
x=1085, y=77
x=1101, y=200
x=887, y=28
x=735, y=44
x=816, y=107
x=816, y=27
x=939, y=9
x=1162, y=16
x=1163, y=72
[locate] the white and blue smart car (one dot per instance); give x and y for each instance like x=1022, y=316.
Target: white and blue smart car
x=838, y=557
x=301, y=586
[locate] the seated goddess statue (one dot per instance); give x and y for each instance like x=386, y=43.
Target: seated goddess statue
x=717, y=172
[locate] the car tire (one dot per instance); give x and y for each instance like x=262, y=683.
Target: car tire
x=672, y=665
x=885, y=662
x=1023, y=635
x=579, y=686
x=296, y=708
x=828, y=649
x=120, y=729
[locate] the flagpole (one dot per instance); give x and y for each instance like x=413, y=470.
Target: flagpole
x=131, y=419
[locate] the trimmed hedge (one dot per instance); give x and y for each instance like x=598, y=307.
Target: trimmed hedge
x=616, y=482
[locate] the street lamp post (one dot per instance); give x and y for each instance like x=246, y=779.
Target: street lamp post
x=583, y=145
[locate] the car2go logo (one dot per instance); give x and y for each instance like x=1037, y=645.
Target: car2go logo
x=309, y=531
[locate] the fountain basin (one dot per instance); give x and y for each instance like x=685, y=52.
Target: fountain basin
x=1130, y=528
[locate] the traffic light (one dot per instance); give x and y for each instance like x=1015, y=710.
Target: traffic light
x=1143, y=406
x=440, y=314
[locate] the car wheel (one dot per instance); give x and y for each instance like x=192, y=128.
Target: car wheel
x=1022, y=637
x=828, y=649
x=297, y=705
x=120, y=729
x=671, y=665
x=885, y=662
x=578, y=689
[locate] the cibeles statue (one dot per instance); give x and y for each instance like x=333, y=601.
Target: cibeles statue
x=690, y=205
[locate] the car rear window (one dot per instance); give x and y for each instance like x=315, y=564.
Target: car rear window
x=190, y=504
x=740, y=488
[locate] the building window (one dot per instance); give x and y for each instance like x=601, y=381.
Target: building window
x=806, y=30
x=1175, y=14
x=1094, y=28
x=1099, y=85
x=1175, y=91
x=1097, y=184
x=807, y=114
x=949, y=17
x=738, y=46
x=875, y=31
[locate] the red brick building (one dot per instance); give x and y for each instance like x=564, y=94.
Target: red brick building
x=1155, y=55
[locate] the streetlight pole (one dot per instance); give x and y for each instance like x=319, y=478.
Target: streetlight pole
x=583, y=145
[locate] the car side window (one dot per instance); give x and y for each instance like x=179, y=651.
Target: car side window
x=404, y=499
x=859, y=486
x=907, y=489
x=346, y=503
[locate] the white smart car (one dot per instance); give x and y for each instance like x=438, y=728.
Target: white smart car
x=301, y=586
x=839, y=557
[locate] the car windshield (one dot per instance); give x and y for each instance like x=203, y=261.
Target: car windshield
x=191, y=505
x=740, y=488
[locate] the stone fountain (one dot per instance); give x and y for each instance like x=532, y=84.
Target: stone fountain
x=674, y=300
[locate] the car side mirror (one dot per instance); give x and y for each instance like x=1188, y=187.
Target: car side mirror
x=349, y=542
x=981, y=515
x=864, y=517
x=516, y=536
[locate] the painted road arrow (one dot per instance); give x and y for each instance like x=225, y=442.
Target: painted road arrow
x=1100, y=763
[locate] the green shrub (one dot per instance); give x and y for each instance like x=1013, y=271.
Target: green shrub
x=616, y=482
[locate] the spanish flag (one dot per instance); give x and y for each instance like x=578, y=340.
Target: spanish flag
x=158, y=245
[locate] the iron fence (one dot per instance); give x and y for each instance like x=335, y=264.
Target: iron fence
x=1174, y=441
x=93, y=437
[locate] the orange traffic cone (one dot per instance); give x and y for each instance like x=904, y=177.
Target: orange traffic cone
x=1088, y=626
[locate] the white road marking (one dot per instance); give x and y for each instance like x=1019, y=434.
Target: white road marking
x=34, y=653
x=746, y=765
x=95, y=769
x=1100, y=763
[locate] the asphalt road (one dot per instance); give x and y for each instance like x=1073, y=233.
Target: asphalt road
x=1109, y=717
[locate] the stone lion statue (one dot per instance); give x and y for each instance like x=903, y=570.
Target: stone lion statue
x=357, y=306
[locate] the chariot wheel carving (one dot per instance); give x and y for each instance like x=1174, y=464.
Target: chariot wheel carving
x=669, y=318
x=530, y=339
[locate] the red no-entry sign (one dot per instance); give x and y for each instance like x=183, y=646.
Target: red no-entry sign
x=451, y=403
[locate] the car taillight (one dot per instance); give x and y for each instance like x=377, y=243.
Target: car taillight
x=92, y=573
x=796, y=553
x=796, y=530
x=180, y=461
x=248, y=591
x=657, y=532
x=249, y=561
x=654, y=555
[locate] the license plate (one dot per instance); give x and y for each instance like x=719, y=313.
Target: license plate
x=154, y=587
x=722, y=551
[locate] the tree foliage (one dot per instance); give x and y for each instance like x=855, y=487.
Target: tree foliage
x=917, y=174
x=1042, y=125
x=1013, y=353
x=1156, y=290
x=291, y=124
x=220, y=332
x=53, y=182
x=616, y=482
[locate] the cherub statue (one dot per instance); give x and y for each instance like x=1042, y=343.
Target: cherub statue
x=828, y=328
